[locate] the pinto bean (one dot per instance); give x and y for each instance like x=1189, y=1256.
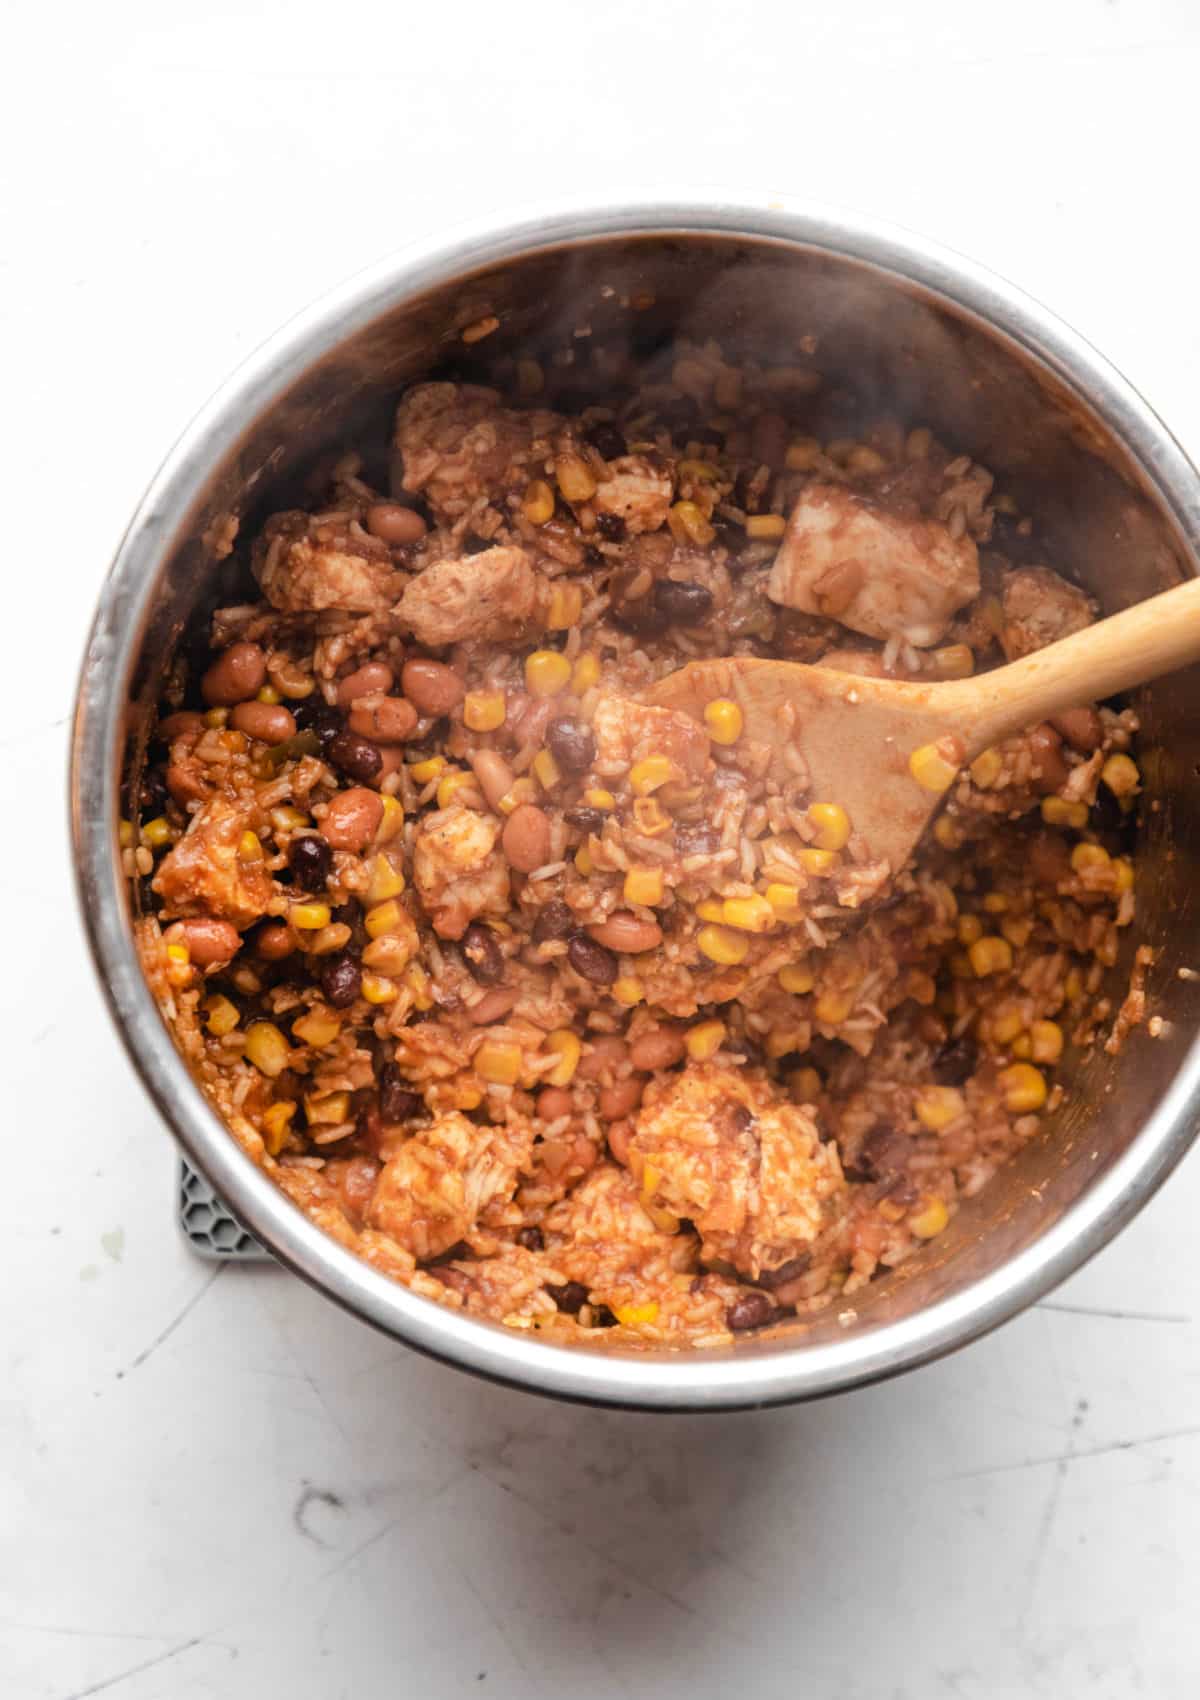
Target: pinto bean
x=603, y=1056
x=493, y=1005
x=494, y=774
x=658, y=1047
x=269, y=721
x=432, y=686
x=274, y=941
x=620, y=1100
x=618, y=1135
x=352, y=819
x=388, y=720
x=553, y=1103
x=235, y=676
x=1046, y=746
x=208, y=940
x=526, y=838
x=175, y=725
x=627, y=934
x=371, y=679
x=392, y=523
x=1081, y=727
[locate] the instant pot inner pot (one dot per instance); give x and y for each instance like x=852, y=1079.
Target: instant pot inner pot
x=883, y=346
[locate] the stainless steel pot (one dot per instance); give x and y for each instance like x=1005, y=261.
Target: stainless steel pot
x=941, y=342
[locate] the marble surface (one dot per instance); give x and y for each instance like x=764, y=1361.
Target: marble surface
x=213, y=1484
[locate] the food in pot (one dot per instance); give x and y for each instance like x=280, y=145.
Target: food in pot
x=574, y=1012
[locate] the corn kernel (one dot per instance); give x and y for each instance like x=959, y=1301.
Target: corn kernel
x=805, y=1085
x=220, y=1015
x=1017, y=932
x=1005, y=1025
x=646, y=776
x=690, y=524
x=317, y=1026
x=802, y=454
x=937, y=1106
x=498, y=1062
x=632, y=1316
x=309, y=916
x=267, y=1048
x=393, y=820
x=276, y=1118
x=598, y=799
x=583, y=862
x=566, y=607
x=286, y=818
x=814, y=860
x=784, y=899
x=1024, y=1088
x=995, y=902
x=389, y=953
x=524, y=790
x=386, y=880
x=268, y=694
x=234, y=742
x=628, y=990
x=644, y=885
x=710, y=909
x=722, y=945
x=990, y=955
x=970, y=928
x=1122, y=875
x=948, y=833
x=417, y=981
x=327, y=1108
x=179, y=953
x=930, y=1219
x=568, y=1048
x=833, y=1006
x=748, y=914
x=960, y=966
x=1120, y=774
x=650, y=817
x=1056, y=811
x=378, y=988
x=1046, y=1041
x=125, y=835
x=336, y=936
x=831, y=824
x=421, y=772
x=249, y=847
x=1073, y=985
x=796, y=977
x=724, y=720
x=1089, y=856
x=546, y=770
x=546, y=672
x=704, y=470
x=216, y=718
x=765, y=527
x=586, y=673
x=538, y=502
x=574, y=478
x=932, y=767
x=386, y=917
x=705, y=1040
x=156, y=833
x=956, y=661
x=484, y=711
x=1021, y=1047
x=459, y=785
x=986, y=768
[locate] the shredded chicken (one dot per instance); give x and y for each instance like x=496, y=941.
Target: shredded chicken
x=457, y=444
x=304, y=565
x=203, y=874
x=458, y=870
x=430, y=1194
x=1039, y=608
x=492, y=595
x=637, y=491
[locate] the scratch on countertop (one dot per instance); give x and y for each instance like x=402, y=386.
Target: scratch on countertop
x=310, y=1495
x=179, y=1317
x=1116, y=1315
x=1076, y=1455
x=135, y=1670
x=1050, y=1509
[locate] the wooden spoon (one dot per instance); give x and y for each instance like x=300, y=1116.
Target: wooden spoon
x=857, y=736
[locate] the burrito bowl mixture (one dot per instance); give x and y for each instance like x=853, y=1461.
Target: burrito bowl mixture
x=584, y=1015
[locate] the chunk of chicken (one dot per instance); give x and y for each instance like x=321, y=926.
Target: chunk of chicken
x=304, y=566
x=491, y=595
x=718, y=1146
x=637, y=490
x=430, y=1194
x=457, y=869
x=875, y=571
x=202, y=875
x=1039, y=608
x=626, y=732
x=457, y=443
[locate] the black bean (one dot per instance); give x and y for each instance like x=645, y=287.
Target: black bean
x=611, y=527
x=571, y=743
x=607, y=441
x=341, y=979
x=484, y=957
x=584, y=819
x=357, y=757
x=315, y=715
x=752, y=1310
x=592, y=960
x=592, y=556
x=152, y=794
x=531, y=1239
x=397, y=1101
x=473, y=545
x=884, y=1152
x=554, y=921
x=602, y=1317
x=955, y=1063
x=772, y=1278
x=682, y=602
x=310, y=860
x=570, y=1297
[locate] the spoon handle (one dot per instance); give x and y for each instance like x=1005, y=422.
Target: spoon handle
x=1126, y=649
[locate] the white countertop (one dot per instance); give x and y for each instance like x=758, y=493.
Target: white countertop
x=219, y=1486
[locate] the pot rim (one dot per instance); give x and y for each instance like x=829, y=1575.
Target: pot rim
x=687, y=1381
